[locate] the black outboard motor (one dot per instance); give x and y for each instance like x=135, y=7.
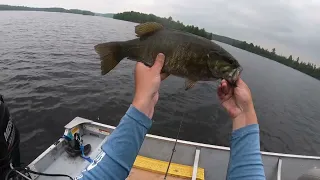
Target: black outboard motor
x=9, y=141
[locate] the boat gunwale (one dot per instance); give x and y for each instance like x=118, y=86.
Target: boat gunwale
x=212, y=146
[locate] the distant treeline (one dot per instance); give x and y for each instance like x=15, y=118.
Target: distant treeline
x=108, y=15
x=23, y=8
x=295, y=63
x=307, y=68
x=167, y=22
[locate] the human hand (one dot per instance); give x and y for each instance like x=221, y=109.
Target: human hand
x=238, y=103
x=147, y=84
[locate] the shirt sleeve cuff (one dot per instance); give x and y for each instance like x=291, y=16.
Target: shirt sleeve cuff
x=252, y=128
x=139, y=117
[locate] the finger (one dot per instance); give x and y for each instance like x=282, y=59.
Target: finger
x=241, y=83
x=223, y=81
x=158, y=63
x=140, y=65
x=227, y=104
x=222, y=95
x=225, y=97
x=225, y=88
x=219, y=92
x=164, y=76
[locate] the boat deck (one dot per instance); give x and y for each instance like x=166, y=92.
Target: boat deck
x=195, y=158
x=60, y=162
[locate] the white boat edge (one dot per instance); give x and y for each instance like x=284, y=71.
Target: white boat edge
x=277, y=165
x=79, y=120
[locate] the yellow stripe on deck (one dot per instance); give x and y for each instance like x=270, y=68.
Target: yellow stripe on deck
x=157, y=166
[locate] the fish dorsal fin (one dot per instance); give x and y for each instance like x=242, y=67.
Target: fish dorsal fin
x=147, y=28
x=189, y=84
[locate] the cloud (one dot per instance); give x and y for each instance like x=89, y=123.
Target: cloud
x=291, y=26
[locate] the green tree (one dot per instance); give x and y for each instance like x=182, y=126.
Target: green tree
x=167, y=22
x=307, y=68
x=24, y=8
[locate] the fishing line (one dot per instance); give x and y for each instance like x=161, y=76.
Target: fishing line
x=175, y=143
x=173, y=150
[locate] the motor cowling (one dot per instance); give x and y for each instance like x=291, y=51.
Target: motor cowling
x=9, y=141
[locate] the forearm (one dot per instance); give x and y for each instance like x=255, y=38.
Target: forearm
x=244, y=119
x=245, y=157
x=122, y=147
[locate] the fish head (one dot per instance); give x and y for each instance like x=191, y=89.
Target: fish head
x=233, y=75
x=224, y=66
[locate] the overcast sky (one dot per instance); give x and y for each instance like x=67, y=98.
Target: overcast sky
x=291, y=26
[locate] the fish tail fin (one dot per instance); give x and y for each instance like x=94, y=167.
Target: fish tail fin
x=110, y=54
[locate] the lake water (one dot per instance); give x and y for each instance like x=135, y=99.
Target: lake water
x=50, y=73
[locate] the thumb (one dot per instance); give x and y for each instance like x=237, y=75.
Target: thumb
x=158, y=63
x=241, y=83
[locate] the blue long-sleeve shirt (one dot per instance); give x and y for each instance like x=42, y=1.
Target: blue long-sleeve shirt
x=122, y=147
x=245, y=158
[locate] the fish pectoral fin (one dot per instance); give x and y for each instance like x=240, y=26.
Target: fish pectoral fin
x=147, y=28
x=189, y=84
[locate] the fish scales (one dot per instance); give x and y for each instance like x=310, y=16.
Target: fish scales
x=187, y=55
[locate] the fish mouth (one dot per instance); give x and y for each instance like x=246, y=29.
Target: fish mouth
x=234, y=75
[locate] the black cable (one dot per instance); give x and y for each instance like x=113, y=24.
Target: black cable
x=17, y=174
x=46, y=174
x=34, y=172
x=8, y=174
